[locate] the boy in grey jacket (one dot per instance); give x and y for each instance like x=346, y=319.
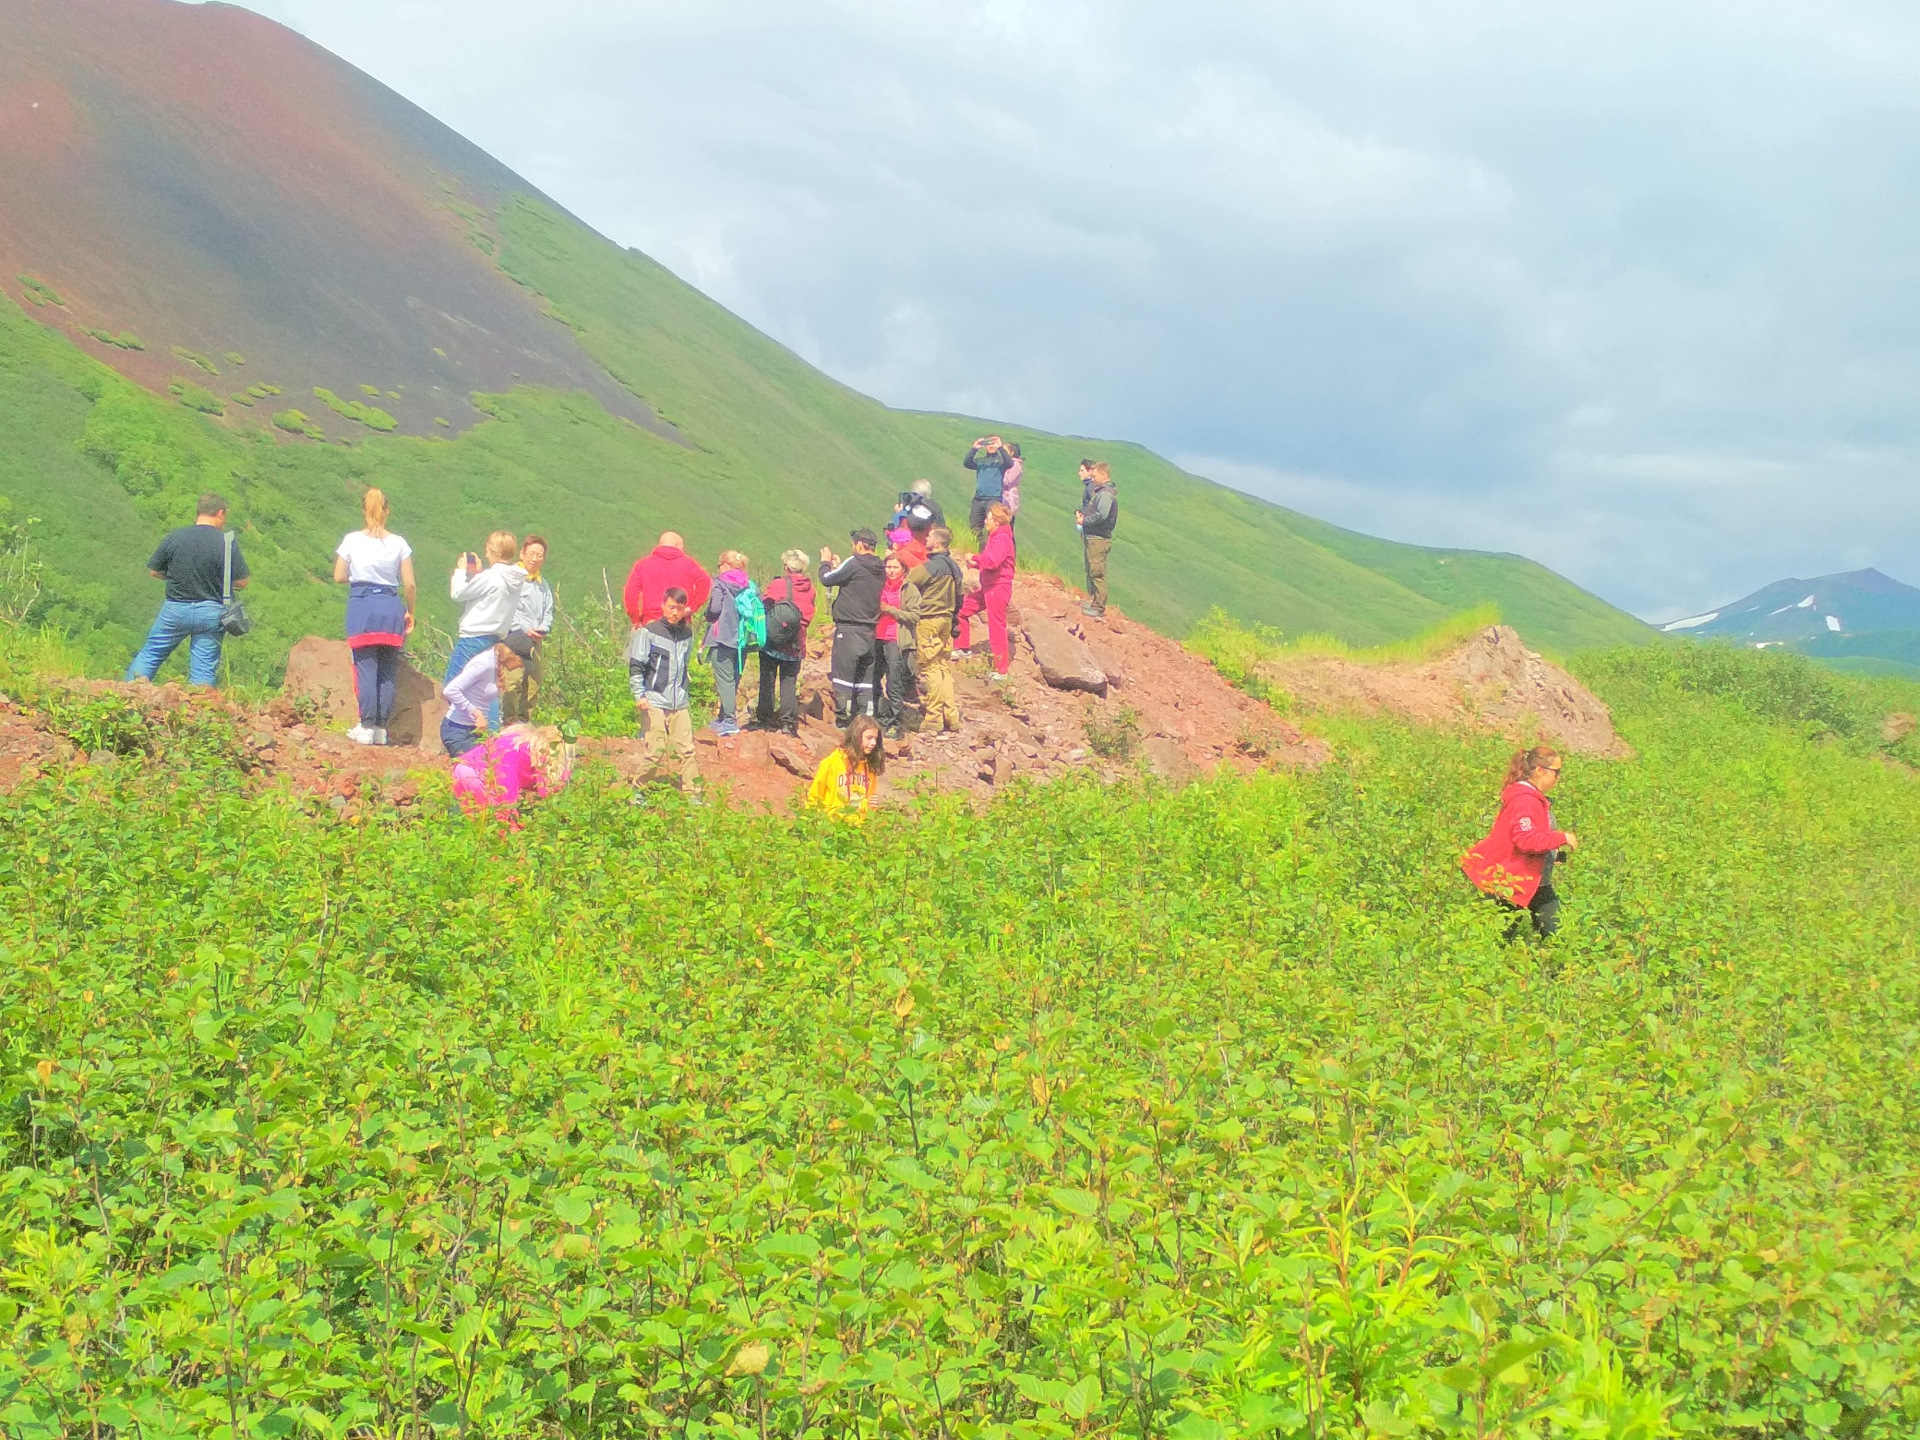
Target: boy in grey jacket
x=657, y=660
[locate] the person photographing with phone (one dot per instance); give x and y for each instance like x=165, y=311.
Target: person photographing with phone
x=488, y=596
x=989, y=459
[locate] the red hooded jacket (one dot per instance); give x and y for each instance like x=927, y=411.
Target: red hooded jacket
x=1509, y=861
x=653, y=575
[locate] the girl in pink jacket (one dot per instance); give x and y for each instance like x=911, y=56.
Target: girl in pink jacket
x=520, y=760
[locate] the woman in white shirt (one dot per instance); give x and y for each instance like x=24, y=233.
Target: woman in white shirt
x=488, y=598
x=376, y=566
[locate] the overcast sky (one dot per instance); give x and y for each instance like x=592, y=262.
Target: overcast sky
x=1626, y=287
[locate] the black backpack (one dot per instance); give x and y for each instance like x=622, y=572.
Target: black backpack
x=786, y=623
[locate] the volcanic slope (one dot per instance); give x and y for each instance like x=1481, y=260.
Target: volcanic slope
x=226, y=247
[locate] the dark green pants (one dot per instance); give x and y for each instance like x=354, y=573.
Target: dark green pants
x=1098, y=547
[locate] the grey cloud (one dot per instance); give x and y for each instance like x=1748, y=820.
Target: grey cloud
x=1627, y=288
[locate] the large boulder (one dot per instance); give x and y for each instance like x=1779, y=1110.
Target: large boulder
x=1065, y=663
x=320, y=671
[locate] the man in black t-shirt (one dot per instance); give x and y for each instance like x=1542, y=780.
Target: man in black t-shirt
x=192, y=560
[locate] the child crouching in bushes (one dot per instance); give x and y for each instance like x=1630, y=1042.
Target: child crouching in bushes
x=521, y=759
x=845, y=783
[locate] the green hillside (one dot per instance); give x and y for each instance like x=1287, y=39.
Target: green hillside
x=781, y=455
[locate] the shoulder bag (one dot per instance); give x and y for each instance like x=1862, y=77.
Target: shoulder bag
x=234, y=620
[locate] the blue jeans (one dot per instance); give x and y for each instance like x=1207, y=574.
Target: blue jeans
x=465, y=647
x=197, y=621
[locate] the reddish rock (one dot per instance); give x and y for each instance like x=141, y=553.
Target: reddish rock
x=1065, y=663
x=321, y=671
x=1169, y=760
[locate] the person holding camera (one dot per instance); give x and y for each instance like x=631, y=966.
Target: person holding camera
x=489, y=598
x=989, y=459
x=195, y=561
x=917, y=510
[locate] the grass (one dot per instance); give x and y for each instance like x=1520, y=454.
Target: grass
x=1219, y=1112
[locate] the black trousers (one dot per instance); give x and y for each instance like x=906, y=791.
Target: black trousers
x=1543, y=909
x=786, y=674
x=856, y=670
x=896, y=665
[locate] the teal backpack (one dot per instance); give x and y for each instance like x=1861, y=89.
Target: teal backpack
x=753, y=619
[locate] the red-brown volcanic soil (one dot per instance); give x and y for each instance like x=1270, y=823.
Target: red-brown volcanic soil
x=204, y=178
x=1181, y=720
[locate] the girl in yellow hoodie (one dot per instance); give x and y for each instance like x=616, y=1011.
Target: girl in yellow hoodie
x=848, y=778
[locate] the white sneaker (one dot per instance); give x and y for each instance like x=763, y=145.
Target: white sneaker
x=360, y=735
x=379, y=734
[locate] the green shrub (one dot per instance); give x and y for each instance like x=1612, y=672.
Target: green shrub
x=295, y=422
x=123, y=341
x=241, y=397
x=357, y=411
x=1117, y=739
x=194, y=357
x=39, y=292
x=234, y=357
x=195, y=398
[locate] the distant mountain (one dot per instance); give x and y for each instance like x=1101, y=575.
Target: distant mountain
x=1861, y=615
x=239, y=263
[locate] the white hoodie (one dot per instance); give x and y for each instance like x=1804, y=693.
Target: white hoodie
x=488, y=599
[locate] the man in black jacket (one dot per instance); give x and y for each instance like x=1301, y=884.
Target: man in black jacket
x=1097, y=516
x=857, y=582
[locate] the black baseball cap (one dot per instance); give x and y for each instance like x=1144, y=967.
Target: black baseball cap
x=864, y=536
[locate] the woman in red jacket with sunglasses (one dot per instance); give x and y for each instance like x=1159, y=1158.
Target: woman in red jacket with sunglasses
x=1514, y=864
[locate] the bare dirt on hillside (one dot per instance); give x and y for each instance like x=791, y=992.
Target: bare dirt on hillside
x=213, y=184
x=1165, y=712
x=1490, y=682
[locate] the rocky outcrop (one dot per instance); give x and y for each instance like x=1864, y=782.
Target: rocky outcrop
x=320, y=672
x=1065, y=662
x=1490, y=682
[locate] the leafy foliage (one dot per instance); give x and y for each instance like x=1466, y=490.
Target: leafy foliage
x=357, y=411
x=1219, y=1112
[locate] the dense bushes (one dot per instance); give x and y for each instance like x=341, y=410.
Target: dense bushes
x=1119, y=1112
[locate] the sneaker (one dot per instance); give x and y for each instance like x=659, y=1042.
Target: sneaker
x=379, y=734
x=360, y=735
x=1094, y=610
x=725, y=727
x=995, y=677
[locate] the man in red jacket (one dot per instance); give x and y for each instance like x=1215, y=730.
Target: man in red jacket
x=668, y=567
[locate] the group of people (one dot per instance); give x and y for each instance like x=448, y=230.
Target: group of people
x=903, y=608
x=899, y=618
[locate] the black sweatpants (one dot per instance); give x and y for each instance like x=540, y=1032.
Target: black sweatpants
x=856, y=668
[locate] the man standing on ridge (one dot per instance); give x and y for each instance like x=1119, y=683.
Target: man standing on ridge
x=1099, y=512
x=193, y=562
x=857, y=582
x=989, y=459
x=940, y=585
x=668, y=567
